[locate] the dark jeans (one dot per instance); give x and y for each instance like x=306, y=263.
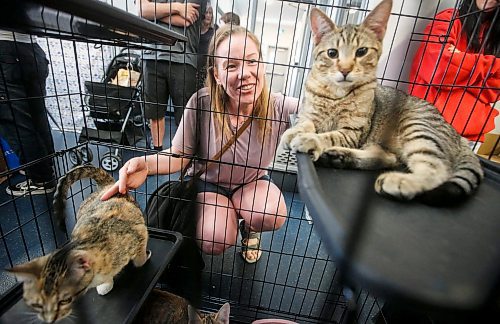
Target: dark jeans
x=164, y=79
x=23, y=118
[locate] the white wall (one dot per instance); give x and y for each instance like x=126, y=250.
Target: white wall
x=407, y=17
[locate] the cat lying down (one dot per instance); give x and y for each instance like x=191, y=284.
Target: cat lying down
x=347, y=120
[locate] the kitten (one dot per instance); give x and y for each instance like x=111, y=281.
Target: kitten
x=107, y=235
x=163, y=307
x=351, y=122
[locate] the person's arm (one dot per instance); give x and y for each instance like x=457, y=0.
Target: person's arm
x=291, y=105
x=163, y=164
x=176, y=20
x=135, y=171
x=151, y=10
x=440, y=64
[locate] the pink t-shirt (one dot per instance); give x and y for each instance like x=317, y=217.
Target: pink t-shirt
x=248, y=158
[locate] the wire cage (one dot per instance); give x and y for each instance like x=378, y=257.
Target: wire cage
x=298, y=276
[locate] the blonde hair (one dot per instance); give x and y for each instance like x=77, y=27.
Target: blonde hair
x=261, y=110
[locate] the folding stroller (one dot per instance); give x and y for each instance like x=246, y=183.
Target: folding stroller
x=115, y=107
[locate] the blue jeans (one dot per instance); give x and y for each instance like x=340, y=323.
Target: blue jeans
x=23, y=118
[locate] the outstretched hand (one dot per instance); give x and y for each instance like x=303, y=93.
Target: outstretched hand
x=131, y=176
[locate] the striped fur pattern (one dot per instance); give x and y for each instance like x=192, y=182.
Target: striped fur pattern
x=348, y=121
x=163, y=307
x=107, y=235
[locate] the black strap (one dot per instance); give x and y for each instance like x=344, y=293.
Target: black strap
x=219, y=154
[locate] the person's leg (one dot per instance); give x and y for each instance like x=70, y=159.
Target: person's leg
x=262, y=206
x=158, y=132
x=156, y=98
x=21, y=70
x=182, y=86
x=217, y=227
x=35, y=81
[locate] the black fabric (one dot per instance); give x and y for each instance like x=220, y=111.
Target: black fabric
x=173, y=207
x=23, y=118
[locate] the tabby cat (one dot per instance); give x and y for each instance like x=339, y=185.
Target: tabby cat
x=163, y=307
x=348, y=121
x=107, y=235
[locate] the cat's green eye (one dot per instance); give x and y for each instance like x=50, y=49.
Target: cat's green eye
x=65, y=301
x=361, y=51
x=37, y=306
x=332, y=53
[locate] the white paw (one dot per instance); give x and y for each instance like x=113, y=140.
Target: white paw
x=307, y=143
x=337, y=157
x=397, y=184
x=287, y=137
x=104, y=288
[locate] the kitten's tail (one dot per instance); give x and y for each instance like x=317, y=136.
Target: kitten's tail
x=466, y=177
x=80, y=172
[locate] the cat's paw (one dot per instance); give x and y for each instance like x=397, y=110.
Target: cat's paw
x=104, y=288
x=287, y=137
x=336, y=157
x=307, y=143
x=398, y=185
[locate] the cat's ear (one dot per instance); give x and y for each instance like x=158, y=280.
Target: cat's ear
x=29, y=271
x=376, y=21
x=320, y=24
x=223, y=314
x=193, y=316
x=79, y=263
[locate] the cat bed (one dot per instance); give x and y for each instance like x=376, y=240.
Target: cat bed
x=437, y=258
x=122, y=304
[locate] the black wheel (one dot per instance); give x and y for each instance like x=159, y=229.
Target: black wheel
x=75, y=156
x=138, y=121
x=87, y=155
x=110, y=162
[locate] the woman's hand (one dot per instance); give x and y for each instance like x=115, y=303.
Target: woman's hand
x=131, y=176
x=453, y=49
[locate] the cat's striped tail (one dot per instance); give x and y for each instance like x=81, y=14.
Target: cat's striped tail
x=101, y=177
x=466, y=177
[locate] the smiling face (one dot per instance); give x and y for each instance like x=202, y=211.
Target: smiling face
x=238, y=70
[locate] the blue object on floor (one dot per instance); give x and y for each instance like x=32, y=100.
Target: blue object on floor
x=10, y=157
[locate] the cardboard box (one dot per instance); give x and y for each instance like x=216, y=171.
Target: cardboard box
x=490, y=149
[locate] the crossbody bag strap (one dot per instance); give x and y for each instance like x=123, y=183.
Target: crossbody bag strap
x=226, y=146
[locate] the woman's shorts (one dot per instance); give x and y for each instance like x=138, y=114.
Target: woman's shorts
x=204, y=186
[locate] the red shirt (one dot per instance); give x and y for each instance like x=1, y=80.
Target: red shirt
x=462, y=85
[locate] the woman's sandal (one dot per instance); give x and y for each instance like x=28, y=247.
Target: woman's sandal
x=245, y=237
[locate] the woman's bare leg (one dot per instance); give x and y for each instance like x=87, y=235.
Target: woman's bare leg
x=262, y=205
x=217, y=228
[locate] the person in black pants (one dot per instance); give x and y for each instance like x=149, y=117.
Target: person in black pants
x=23, y=118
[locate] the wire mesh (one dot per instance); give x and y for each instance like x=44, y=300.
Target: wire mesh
x=296, y=278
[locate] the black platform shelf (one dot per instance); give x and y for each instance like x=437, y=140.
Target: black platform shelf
x=122, y=304
x=443, y=259
x=88, y=20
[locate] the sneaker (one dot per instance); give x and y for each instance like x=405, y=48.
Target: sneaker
x=29, y=187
